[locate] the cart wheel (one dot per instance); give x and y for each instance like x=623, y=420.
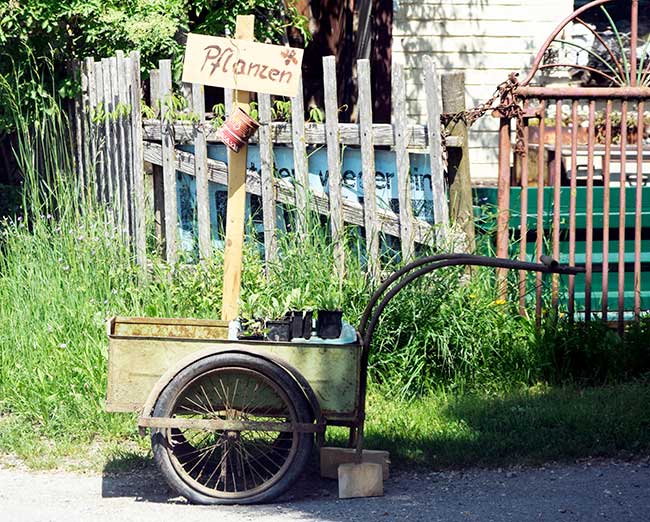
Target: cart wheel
x=232, y=467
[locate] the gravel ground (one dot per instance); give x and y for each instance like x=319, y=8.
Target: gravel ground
x=587, y=491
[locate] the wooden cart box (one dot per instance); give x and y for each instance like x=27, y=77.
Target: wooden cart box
x=141, y=350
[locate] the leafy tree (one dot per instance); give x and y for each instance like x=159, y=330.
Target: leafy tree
x=46, y=35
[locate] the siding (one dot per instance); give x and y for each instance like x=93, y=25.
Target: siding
x=487, y=39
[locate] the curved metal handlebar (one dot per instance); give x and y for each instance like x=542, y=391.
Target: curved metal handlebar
x=431, y=263
x=399, y=279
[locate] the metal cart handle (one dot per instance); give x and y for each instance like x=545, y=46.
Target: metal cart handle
x=401, y=278
x=428, y=264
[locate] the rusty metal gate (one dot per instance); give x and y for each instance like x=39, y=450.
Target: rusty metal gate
x=573, y=179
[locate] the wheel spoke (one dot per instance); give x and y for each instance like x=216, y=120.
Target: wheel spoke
x=271, y=473
x=212, y=410
x=233, y=464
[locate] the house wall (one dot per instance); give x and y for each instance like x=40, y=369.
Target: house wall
x=487, y=39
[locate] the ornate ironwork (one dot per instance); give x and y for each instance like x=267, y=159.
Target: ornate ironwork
x=595, y=55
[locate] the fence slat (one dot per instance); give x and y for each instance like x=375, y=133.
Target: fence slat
x=87, y=85
x=114, y=151
x=78, y=130
x=108, y=131
x=368, y=168
x=124, y=149
x=333, y=159
x=267, y=188
x=169, y=172
x=228, y=101
x=186, y=93
x=438, y=189
x=154, y=93
x=128, y=123
x=100, y=126
x=201, y=171
x=402, y=161
x=137, y=169
x=116, y=144
x=301, y=176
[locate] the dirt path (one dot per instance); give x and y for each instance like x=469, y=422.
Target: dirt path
x=590, y=491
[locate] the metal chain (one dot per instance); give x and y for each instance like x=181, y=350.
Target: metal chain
x=505, y=101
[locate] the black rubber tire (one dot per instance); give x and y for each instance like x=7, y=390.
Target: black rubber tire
x=233, y=362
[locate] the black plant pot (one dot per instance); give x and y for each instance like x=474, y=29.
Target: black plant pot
x=278, y=330
x=306, y=324
x=329, y=324
x=296, y=319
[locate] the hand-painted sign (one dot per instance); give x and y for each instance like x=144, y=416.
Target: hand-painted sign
x=242, y=65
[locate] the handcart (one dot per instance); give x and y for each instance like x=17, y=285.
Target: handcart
x=235, y=422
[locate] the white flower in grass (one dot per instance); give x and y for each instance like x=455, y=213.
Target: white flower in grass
x=63, y=345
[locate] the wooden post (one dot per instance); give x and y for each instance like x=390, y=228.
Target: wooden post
x=267, y=188
x=503, y=203
x=201, y=172
x=438, y=189
x=236, y=199
x=301, y=176
x=460, y=184
x=168, y=164
x=402, y=162
x=368, y=168
x=137, y=168
x=334, y=161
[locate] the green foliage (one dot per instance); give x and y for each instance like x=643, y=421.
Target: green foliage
x=433, y=334
x=281, y=110
x=316, y=114
x=35, y=33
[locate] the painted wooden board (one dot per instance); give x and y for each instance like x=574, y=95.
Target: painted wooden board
x=242, y=65
x=353, y=211
x=136, y=363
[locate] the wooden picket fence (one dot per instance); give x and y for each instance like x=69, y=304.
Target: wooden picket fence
x=114, y=143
